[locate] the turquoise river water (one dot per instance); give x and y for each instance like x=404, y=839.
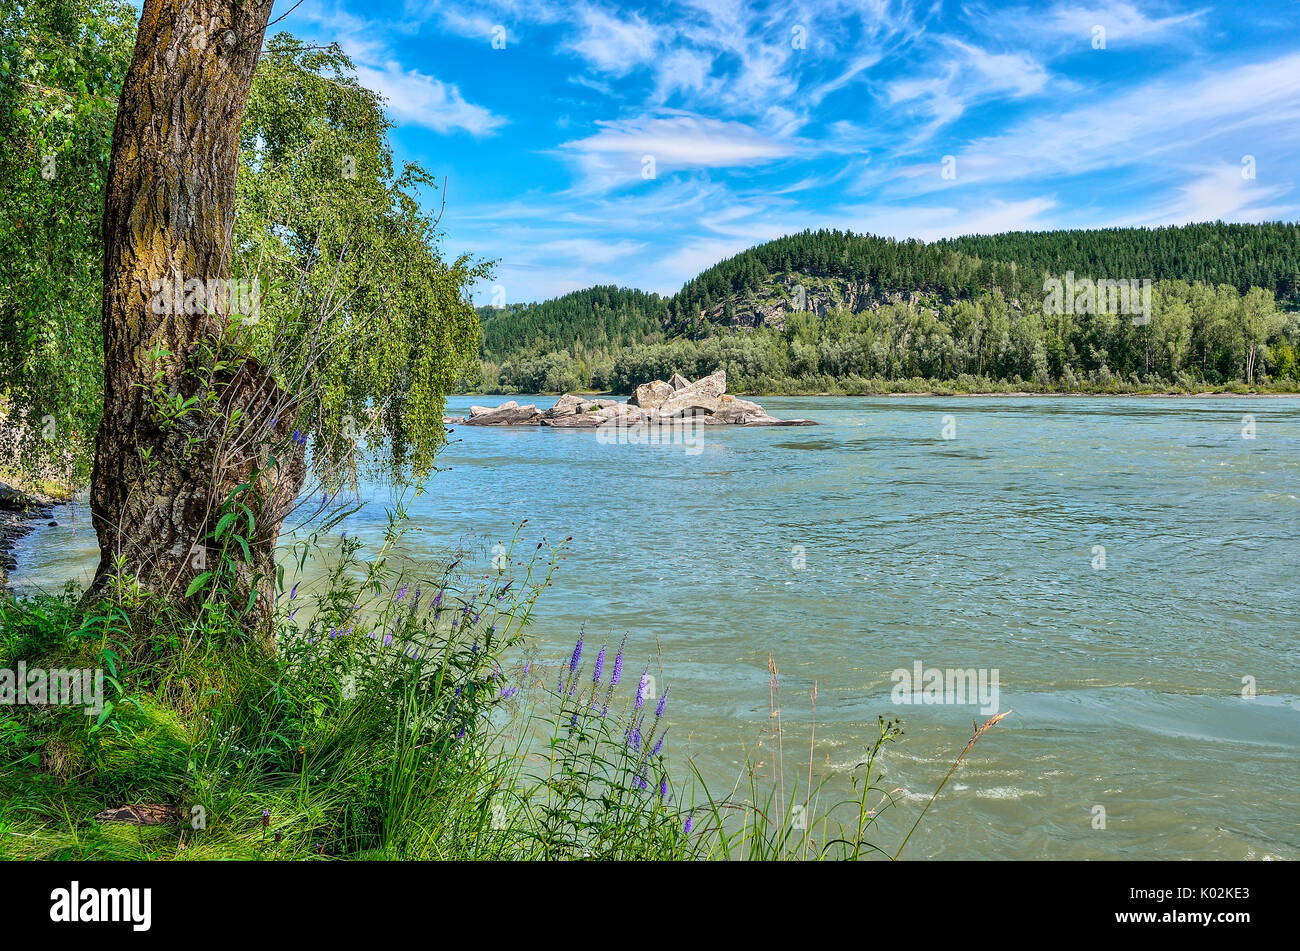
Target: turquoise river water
x=871, y=543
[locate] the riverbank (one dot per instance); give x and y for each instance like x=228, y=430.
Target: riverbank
x=23, y=507
x=938, y=388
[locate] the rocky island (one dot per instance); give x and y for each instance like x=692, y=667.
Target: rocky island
x=660, y=402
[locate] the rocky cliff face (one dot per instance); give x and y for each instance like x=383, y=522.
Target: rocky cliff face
x=678, y=400
x=792, y=293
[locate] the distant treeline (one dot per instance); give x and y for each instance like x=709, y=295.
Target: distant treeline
x=968, y=309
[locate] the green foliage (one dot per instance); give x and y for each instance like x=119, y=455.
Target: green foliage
x=358, y=306
x=61, y=68
x=1243, y=256
x=565, y=344
x=361, y=319
x=1263, y=255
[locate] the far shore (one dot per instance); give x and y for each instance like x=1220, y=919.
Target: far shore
x=1225, y=394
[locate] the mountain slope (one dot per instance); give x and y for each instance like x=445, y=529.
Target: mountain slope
x=836, y=311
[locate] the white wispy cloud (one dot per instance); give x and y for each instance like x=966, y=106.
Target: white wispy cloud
x=1124, y=23
x=425, y=101
x=1219, y=192
x=1248, y=107
x=611, y=43
x=618, y=152
x=968, y=74
x=414, y=97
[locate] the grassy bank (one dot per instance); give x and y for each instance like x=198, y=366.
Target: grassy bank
x=403, y=715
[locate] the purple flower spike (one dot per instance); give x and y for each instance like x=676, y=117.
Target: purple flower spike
x=401, y=593
x=600, y=665
x=659, y=744
x=690, y=821
x=577, y=655
x=663, y=789
x=388, y=639
x=293, y=593
x=618, y=670
x=641, y=688
x=663, y=702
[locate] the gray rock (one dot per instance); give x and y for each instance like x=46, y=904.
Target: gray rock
x=509, y=413
x=566, y=405
x=704, y=395
x=686, y=407
x=650, y=396
x=677, y=402
x=574, y=421
x=11, y=497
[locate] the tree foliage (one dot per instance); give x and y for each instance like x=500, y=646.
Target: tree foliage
x=360, y=314
x=61, y=69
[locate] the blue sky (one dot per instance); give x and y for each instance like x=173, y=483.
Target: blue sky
x=766, y=118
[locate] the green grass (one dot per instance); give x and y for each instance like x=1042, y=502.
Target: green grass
x=403, y=715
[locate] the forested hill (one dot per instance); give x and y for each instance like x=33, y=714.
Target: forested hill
x=1263, y=255
x=599, y=318
x=1243, y=256
x=829, y=311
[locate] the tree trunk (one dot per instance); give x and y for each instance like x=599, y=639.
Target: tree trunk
x=160, y=478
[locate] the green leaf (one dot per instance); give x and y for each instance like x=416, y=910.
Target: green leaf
x=197, y=583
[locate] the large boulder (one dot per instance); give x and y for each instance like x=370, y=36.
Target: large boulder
x=567, y=405
x=573, y=421
x=624, y=412
x=702, y=396
x=11, y=497
x=508, y=413
x=650, y=396
x=736, y=411
x=678, y=382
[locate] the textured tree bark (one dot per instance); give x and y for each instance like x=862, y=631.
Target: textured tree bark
x=159, y=482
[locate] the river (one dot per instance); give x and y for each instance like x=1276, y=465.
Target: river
x=1128, y=568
